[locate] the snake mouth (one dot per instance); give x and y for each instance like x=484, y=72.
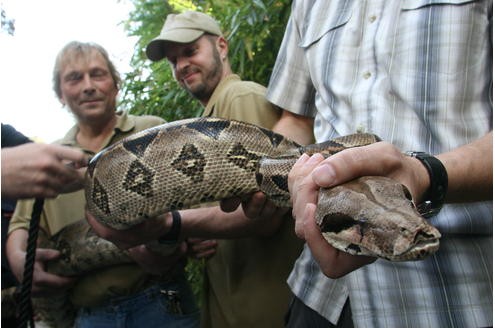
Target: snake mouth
x=424, y=244
x=424, y=236
x=423, y=249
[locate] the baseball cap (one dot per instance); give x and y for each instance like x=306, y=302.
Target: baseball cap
x=181, y=28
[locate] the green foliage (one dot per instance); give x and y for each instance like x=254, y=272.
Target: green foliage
x=254, y=30
x=194, y=273
x=150, y=87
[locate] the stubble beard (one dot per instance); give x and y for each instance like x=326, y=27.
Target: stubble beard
x=205, y=89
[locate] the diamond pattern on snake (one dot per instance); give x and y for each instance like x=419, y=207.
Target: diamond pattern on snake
x=183, y=163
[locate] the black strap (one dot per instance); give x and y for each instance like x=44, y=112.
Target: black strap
x=439, y=181
x=25, y=306
x=172, y=236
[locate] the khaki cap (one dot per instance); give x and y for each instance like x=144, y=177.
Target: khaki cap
x=181, y=28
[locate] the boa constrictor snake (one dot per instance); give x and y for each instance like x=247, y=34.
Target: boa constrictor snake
x=183, y=163
x=187, y=162
x=179, y=164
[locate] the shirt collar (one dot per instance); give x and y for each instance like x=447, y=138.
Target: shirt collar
x=218, y=91
x=125, y=123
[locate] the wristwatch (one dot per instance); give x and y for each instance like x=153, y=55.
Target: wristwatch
x=435, y=196
x=172, y=236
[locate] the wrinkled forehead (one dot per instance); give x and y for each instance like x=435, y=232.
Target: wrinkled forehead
x=79, y=59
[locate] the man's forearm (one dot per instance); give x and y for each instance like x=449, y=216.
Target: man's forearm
x=296, y=127
x=470, y=171
x=212, y=222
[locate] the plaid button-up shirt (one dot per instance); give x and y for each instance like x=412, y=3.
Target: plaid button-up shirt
x=418, y=73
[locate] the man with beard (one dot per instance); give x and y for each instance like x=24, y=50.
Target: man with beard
x=245, y=279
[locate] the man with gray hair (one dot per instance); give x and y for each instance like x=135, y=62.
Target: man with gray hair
x=127, y=295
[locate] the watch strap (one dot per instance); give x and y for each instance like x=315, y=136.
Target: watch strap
x=435, y=195
x=172, y=236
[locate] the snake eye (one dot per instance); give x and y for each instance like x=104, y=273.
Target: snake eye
x=336, y=222
x=407, y=194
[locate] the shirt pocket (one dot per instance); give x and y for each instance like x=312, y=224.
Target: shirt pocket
x=416, y=4
x=318, y=25
x=447, y=36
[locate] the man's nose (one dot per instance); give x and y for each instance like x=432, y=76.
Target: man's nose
x=88, y=85
x=182, y=62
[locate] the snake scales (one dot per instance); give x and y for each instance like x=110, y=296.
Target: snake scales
x=187, y=162
x=179, y=164
x=183, y=163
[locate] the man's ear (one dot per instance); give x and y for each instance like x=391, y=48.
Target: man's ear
x=223, y=47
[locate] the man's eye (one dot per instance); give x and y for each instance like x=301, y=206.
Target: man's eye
x=190, y=52
x=73, y=77
x=99, y=73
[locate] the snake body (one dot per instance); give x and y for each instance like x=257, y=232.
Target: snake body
x=179, y=164
x=187, y=162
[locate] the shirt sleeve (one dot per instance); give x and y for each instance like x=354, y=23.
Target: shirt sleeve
x=290, y=84
x=22, y=215
x=11, y=137
x=250, y=107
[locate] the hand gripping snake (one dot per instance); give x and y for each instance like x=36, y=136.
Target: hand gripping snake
x=179, y=164
x=183, y=163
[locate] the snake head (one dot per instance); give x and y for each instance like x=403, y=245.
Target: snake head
x=375, y=216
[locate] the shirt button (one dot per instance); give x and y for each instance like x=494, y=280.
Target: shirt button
x=366, y=75
x=372, y=18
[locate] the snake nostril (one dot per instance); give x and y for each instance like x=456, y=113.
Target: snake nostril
x=407, y=193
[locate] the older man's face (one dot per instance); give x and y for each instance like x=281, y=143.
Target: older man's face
x=87, y=86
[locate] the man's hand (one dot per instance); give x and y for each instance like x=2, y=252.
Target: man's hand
x=309, y=174
x=333, y=262
x=255, y=206
x=150, y=229
x=200, y=248
x=41, y=170
x=44, y=283
x=155, y=263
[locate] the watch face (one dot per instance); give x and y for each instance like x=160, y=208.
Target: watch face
x=416, y=154
x=427, y=210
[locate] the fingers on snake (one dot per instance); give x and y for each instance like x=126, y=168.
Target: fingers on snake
x=253, y=206
x=378, y=159
x=304, y=189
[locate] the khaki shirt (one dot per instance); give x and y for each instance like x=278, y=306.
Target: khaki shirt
x=65, y=209
x=246, y=279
